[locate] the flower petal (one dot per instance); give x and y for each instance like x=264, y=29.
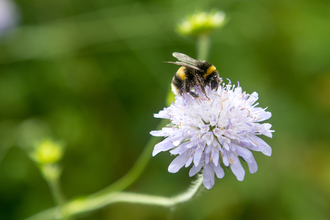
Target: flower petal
x=264, y=116
x=215, y=155
x=243, y=152
x=266, y=131
x=189, y=161
x=261, y=113
x=219, y=171
x=208, y=176
x=195, y=169
x=180, y=149
x=198, y=155
x=253, y=97
x=253, y=166
x=162, y=114
x=162, y=146
x=262, y=146
x=237, y=169
x=177, y=163
x=225, y=158
x=159, y=133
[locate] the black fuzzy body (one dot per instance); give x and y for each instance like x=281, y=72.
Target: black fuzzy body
x=192, y=77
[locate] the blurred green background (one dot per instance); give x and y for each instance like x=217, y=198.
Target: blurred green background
x=89, y=73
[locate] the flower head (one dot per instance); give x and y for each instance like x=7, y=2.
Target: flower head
x=215, y=132
x=9, y=15
x=47, y=152
x=201, y=23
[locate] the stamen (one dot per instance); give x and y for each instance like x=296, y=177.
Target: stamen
x=231, y=160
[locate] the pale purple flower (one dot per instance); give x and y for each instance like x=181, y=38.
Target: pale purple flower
x=9, y=15
x=215, y=132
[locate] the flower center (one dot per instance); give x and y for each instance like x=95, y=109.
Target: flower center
x=212, y=127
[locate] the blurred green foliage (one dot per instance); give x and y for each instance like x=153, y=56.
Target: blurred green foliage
x=89, y=73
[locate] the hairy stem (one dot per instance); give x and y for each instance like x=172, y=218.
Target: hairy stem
x=79, y=206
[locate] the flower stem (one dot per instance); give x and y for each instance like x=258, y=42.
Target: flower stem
x=142, y=198
x=54, y=187
x=51, y=173
x=92, y=203
x=160, y=200
x=203, y=47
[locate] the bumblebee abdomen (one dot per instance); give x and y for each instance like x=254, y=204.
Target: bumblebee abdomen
x=209, y=71
x=181, y=73
x=177, y=81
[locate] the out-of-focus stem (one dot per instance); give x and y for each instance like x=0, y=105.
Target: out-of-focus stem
x=58, y=197
x=203, y=46
x=51, y=174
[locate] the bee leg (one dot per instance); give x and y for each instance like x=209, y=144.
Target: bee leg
x=203, y=90
x=201, y=83
x=194, y=95
x=186, y=89
x=215, y=82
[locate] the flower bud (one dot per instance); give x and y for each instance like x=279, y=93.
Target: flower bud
x=47, y=152
x=201, y=23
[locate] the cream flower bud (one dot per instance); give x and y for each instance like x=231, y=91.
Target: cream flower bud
x=47, y=151
x=201, y=23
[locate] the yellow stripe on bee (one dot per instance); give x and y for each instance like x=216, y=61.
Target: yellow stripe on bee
x=209, y=70
x=181, y=73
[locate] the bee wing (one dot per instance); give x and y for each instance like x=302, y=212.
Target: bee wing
x=184, y=58
x=185, y=65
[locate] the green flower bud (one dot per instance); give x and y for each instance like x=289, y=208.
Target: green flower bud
x=47, y=152
x=201, y=23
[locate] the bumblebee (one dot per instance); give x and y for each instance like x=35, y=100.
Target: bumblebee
x=193, y=73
